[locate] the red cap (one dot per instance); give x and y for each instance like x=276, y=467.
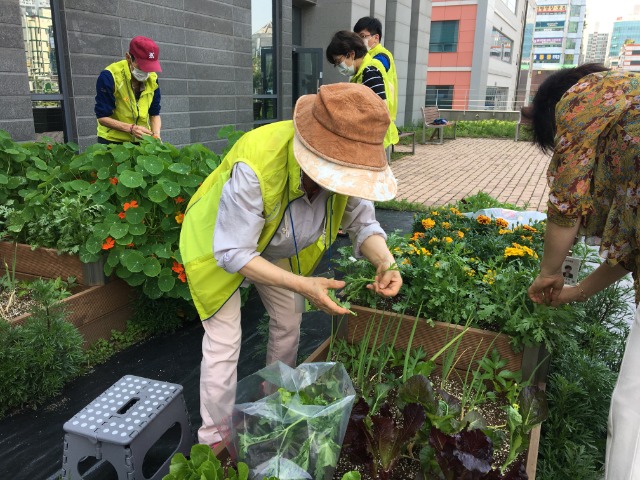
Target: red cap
x=146, y=54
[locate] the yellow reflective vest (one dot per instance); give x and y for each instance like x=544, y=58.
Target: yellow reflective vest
x=268, y=150
x=127, y=109
x=391, y=137
x=392, y=77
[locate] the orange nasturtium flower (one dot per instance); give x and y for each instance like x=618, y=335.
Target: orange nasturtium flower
x=483, y=220
x=179, y=218
x=177, y=267
x=113, y=181
x=109, y=243
x=178, y=200
x=182, y=277
x=49, y=147
x=130, y=244
x=501, y=222
x=122, y=215
x=131, y=204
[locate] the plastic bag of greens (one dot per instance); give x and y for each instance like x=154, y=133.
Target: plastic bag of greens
x=290, y=423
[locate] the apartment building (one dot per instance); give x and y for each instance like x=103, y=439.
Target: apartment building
x=629, y=59
x=596, y=51
x=625, y=29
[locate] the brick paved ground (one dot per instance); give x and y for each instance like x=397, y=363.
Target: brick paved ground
x=513, y=172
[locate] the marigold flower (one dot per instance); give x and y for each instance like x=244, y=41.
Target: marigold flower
x=501, y=222
x=113, y=181
x=513, y=252
x=525, y=238
x=425, y=252
x=455, y=211
x=435, y=214
x=122, y=215
x=460, y=234
x=483, y=220
x=417, y=236
x=178, y=200
x=182, y=277
x=446, y=225
x=406, y=261
x=179, y=218
x=489, y=278
x=428, y=223
x=433, y=240
x=131, y=204
x=529, y=228
x=504, y=231
x=49, y=147
x=177, y=267
x=109, y=243
x=448, y=239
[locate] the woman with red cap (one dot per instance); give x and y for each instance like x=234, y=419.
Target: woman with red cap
x=128, y=96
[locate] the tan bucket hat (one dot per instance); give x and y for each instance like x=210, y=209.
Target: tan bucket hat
x=338, y=141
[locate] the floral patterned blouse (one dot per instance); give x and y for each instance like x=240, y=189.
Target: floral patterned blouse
x=595, y=169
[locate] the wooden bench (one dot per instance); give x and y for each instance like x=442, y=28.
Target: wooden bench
x=429, y=114
x=522, y=121
x=404, y=135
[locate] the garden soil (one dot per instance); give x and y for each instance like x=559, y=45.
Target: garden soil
x=31, y=441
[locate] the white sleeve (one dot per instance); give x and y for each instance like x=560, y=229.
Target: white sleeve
x=359, y=221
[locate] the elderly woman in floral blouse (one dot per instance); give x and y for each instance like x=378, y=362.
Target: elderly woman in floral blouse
x=594, y=181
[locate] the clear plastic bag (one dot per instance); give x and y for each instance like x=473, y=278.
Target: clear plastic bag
x=513, y=217
x=290, y=423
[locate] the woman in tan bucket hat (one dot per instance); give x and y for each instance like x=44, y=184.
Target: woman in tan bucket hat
x=266, y=216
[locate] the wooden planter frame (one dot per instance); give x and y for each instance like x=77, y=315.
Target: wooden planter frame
x=532, y=360
x=102, y=304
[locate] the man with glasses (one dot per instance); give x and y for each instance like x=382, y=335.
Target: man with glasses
x=128, y=96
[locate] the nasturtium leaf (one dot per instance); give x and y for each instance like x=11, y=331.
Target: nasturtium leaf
x=133, y=260
x=170, y=188
x=94, y=244
x=103, y=173
x=192, y=180
x=136, y=279
x=123, y=272
x=150, y=288
x=137, y=228
x=166, y=282
x=93, y=188
x=135, y=215
x=88, y=257
x=151, y=267
x=113, y=258
x=163, y=250
x=120, y=153
x=157, y=194
x=4, y=180
x=15, y=182
x=125, y=240
x=179, y=168
x=119, y=230
x=130, y=179
x=101, y=230
x=39, y=163
x=79, y=185
x=151, y=164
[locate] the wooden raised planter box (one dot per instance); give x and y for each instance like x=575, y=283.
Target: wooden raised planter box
x=432, y=339
x=101, y=304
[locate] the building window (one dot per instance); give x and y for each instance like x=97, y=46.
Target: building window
x=263, y=47
x=571, y=43
x=635, y=62
x=575, y=10
x=501, y=46
x=440, y=96
x=444, y=36
x=42, y=68
x=496, y=98
x=512, y=4
x=573, y=27
x=635, y=52
x=569, y=58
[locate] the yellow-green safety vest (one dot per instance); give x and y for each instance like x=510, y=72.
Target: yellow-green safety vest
x=392, y=77
x=268, y=150
x=127, y=109
x=391, y=137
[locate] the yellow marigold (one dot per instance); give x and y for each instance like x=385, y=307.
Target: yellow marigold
x=460, y=234
x=513, y=252
x=428, y=223
x=446, y=225
x=489, y=278
x=483, y=220
x=448, y=239
x=179, y=218
x=437, y=264
x=433, y=240
x=526, y=250
x=425, y=251
x=406, y=261
x=504, y=231
x=525, y=238
x=501, y=222
x=435, y=214
x=471, y=272
x=531, y=229
x=397, y=250
x=455, y=211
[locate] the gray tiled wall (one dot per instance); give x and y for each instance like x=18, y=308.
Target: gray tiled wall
x=205, y=52
x=15, y=99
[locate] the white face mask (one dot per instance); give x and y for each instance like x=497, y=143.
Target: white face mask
x=140, y=75
x=346, y=70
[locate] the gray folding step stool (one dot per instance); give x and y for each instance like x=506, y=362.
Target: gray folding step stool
x=123, y=423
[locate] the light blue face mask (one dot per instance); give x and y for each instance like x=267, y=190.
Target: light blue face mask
x=346, y=70
x=139, y=75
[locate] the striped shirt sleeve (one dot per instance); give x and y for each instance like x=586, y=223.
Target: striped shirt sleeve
x=372, y=78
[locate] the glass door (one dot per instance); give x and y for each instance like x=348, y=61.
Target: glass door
x=307, y=71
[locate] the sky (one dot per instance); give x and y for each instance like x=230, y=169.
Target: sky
x=602, y=13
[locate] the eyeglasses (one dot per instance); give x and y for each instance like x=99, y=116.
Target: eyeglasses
x=364, y=37
x=338, y=60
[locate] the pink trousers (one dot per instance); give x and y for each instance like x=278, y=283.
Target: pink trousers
x=221, y=349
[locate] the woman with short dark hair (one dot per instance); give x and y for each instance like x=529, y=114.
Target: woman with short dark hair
x=589, y=117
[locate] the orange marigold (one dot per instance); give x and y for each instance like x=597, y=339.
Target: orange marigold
x=417, y=236
x=531, y=229
x=179, y=218
x=460, y=234
x=483, y=220
x=108, y=243
x=113, y=181
x=501, y=222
